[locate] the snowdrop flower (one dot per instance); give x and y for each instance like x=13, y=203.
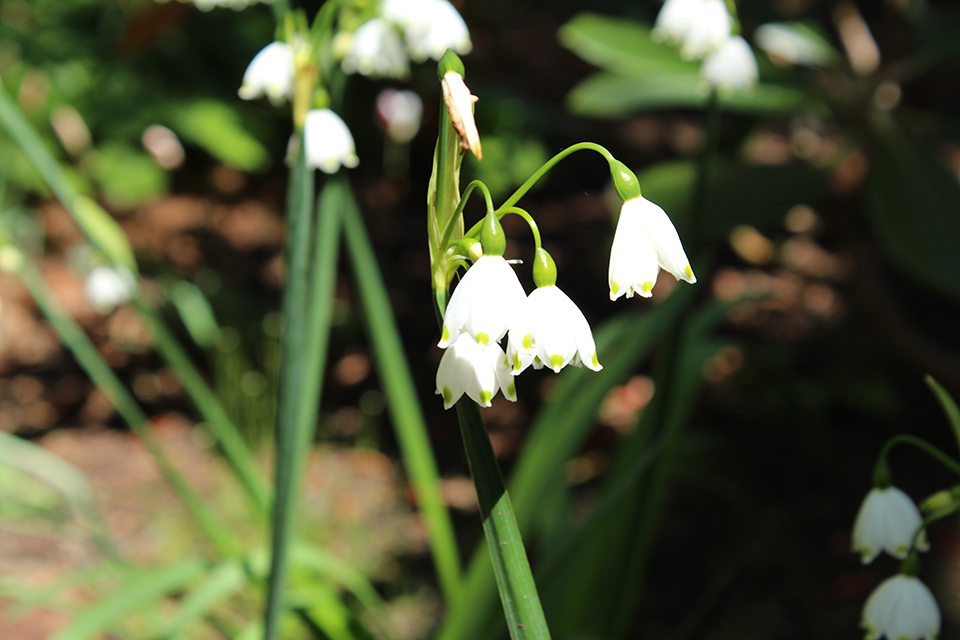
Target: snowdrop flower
x=477, y=370
x=645, y=241
x=431, y=27
x=459, y=103
x=376, y=50
x=550, y=329
x=707, y=31
x=399, y=114
x=108, y=287
x=733, y=66
x=901, y=608
x=887, y=521
x=270, y=72
x=675, y=19
x=484, y=304
x=328, y=141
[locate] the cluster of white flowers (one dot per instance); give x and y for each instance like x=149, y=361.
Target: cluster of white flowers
x=902, y=607
x=704, y=29
x=545, y=328
x=403, y=30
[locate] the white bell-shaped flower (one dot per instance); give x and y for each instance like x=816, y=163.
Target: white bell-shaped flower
x=399, y=114
x=376, y=49
x=676, y=17
x=271, y=72
x=887, y=521
x=707, y=30
x=901, y=608
x=431, y=27
x=645, y=241
x=551, y=327
x=484, y=303
x=731, y=67
x=477, y=370
x=327, y=141
x=108, y=287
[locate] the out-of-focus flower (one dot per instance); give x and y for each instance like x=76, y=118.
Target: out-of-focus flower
x=477, y=370
x=236, y=5
x=459, y=103
x=163, y=145
x=328, y=142
x=732, y=66
x=399, y=114
x=484, y=304
x=697, y=26
x=108, y=287
x=887, y=521
x=270, y=72
x=552, y=328
x=430, y=26
x=645, y=241
x=794, y=43
x=901, y=608
x=376, y=50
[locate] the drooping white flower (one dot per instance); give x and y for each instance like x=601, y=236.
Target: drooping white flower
x=732, y=66
x=477, y=370
x=645, y=241
x=399, y=113
x=270, y=72
x=887, y=521
x=430, y=26
x=675, y=19
x=484, y=304
x=107, y=287
x=551, y=327
x=376, y=50
x=901, y=608
x=707, y=31
x=459, y=101
x=327, y=141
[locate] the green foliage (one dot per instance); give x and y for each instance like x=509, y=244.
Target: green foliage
x=216, y=127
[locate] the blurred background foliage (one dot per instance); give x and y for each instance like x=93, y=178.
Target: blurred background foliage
x=829, y=284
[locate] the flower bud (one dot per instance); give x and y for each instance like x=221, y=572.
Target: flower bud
x=625, y=181
x=492, y=238
x=544, y=269
x=450, y=61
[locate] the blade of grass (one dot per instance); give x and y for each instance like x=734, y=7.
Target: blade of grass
x=141, y=592
x=397, y=380
x=948, y=404
x=236, y=452
x=93, y=364
x=222, y=582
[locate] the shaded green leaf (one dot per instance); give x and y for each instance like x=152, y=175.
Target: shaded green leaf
x=217, y=128
x=223, y=582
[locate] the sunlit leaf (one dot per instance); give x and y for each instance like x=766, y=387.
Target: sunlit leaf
x=217, y=128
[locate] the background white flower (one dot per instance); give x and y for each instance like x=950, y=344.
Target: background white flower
x=733, y=66
x=327, y=141
x=485, y=303
x=901, y=608
x=707, y=31
x=107, y=287
x=376, y=49
x=270, y=72
x=477, y=370
x=399, y=114
x=430, y=26
x=645, y=241
x=887, y=521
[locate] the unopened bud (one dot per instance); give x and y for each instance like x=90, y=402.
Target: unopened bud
x=624, y=180
x=544, y=269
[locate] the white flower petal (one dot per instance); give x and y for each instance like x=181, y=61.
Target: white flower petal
x=675, y=19
x=731, y=67
x=484, y=303
x=376, y=50
x=328, y=141
x=431, y=27
x=670, y=253
x=633, y=257
x=902, y=607
x=108, y=287
x=467, y=367
x=708, y=29
x=886, y=521
x=270, y=72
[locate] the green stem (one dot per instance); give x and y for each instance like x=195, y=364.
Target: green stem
x=289, y=455
x=921, y=444
x=948, y=405
x=102, y=375
x=402, y=403
x=209, y=406
x=517, y=211
x=451, y=223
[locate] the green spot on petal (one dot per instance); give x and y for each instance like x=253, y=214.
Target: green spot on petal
x=447, y=395
x=556, y=360
x=527, y=341
x=516, y=363
x=647, y=286
x=614, y=287
x=485, y=397
x=446, y=334
x=595, y=360
x=512, y=390
x=482, y=338
x=688, y=271
x=902, y=548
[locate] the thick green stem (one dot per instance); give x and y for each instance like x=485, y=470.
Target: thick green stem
x=458, y=212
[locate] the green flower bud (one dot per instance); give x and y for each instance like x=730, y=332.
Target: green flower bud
x=470, y=248
x=449, y=62
x=625, y=181
x=940, y=500
x=544, y=269
x=492, y=238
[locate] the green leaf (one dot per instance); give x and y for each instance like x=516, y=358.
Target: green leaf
x=141, y=592
x=104, y=232
x=224, y=581
x=127, y=177
x=621, y=46
x=195, y=312
x=605, y=95
x=914, y=205
x=217, y=128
